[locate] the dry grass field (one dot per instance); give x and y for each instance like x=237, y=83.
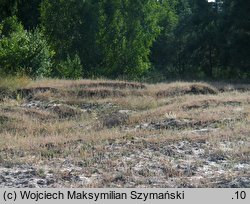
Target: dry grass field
x=99, y=133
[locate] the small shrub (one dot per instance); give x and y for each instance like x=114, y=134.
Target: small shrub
x=71, y=68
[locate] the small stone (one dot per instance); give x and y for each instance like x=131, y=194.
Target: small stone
x=41, y=182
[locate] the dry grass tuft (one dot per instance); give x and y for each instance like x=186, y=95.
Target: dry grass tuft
x=64, y=111
x=39, y=114
x=110, y=84
x=13, y=83
x=9, y=85
x=100, y=93
x=114, y=119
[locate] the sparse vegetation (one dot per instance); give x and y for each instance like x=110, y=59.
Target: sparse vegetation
x=58, y=129
x=150, y=39
x=148, y=135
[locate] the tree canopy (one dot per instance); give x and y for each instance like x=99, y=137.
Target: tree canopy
x=126, y=38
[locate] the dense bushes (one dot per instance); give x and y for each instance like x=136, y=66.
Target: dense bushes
x=136, y=39
x=23, y=52
x=112, y=38
x=71, y=68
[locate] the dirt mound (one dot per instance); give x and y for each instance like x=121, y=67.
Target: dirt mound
x=29, y=92
x=202, y=89
x=39, y=114
x=195, y=89
x=224, y=87
x=170, y=123
x=24, y=92
x=64, y=111
x=114, y=119
x=200, y=104
x=5, y=93
x=203, y=104
x=180, y=124
x=100, y=93
x=116, y=85
x=4, y=119
x=50, y=110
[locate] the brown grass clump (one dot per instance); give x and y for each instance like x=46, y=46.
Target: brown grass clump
x=182, y=89
x=111, y=84
x=211, y=103
x=86, y=84
x=114, y=119
x=135, y=102
x=39, y=114
x=4, y=93
x=30, y=92
x=7, y=123
x=3, y=119
x=12, y=83
x=228, y=87
x=9, y=85
x=64, y=111
x=100, y=93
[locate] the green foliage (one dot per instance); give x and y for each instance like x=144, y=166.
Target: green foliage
x=28, y=13
x=71, y=27
x=8, y=8
x=164, y=49
x=236, y=37
x=10, y=25
x=203, y=40
x=23, y=52
x=111, y=37
x=126, y=38
x=127, y=31
x=71, y=68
